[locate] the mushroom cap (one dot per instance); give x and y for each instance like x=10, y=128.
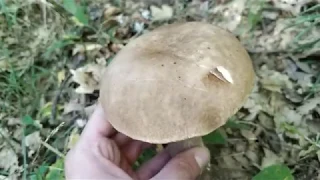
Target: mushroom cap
x=160, y=87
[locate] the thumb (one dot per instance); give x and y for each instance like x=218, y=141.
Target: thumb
x=186, y=165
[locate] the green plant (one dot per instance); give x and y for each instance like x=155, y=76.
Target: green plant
x=274, y=172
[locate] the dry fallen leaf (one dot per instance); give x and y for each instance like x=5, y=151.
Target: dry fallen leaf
x=273, y=80
x=229, y=162
x=292, y=95
x=253, y=154
x=88, y=77
x=90, y=109
x=6, y=136
x=138, y=27
x=71, y=107
x=304, y=80
x=61, y=76
x=309, y=105
x=270, y=158
x=81, y=122
x=306, y=152
x=160, y=14
x=270, y=14
x=85, y=47
x=110, y=10
x=9, y=159
x=33, y=142
x=13, y=121
x=291, y=116
x=116, y=47
x=248, y=134
x=102, y=61
x=145, y=14
x=231, y=14
x=253, y=107
x=280, y=38
x=258, y=102
x=304, y=67
x=4, y=64
x=266, y=121
x=242, y=160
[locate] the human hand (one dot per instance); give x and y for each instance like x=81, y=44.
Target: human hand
x=104, y=153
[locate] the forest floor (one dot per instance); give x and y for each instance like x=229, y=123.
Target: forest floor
x=52, y=53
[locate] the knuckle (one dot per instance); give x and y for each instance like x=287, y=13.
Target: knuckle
x=188, y=165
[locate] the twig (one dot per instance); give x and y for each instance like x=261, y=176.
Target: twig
x=47, y=139
x=55, y=168
x=62, y=86
x=48, y=146
x=312, y=142
x=44, y=13
x=57, y=97
x=24, y=153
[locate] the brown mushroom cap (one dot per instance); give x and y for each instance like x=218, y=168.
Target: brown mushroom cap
x=160, y=89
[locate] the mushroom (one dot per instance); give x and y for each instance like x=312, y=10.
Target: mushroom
x=176, y=83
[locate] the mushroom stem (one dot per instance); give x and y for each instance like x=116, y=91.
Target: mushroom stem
x=177, y=147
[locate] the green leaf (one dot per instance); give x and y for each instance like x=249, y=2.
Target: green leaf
x=82, y=16
x=10, y=12
x=144, y=157
x=254, y=17
x=77, y=11
x=71, y=6
x=56, y=171
x=27, y=120
x=214, y=138
x=290, y=128
x=42, y=170
x=235, y=125
x=39, y=173
x=34, y=177
x=274, y=172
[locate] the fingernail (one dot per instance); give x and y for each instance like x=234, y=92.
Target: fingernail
x=202, y=157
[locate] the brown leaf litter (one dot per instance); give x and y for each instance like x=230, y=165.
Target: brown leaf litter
x=282, y=121
x=282, y=112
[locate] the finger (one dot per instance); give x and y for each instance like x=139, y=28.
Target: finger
x=121, y=139
x=153, y=166
x=98, y=126
x=186, y=165
x=133, y=150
